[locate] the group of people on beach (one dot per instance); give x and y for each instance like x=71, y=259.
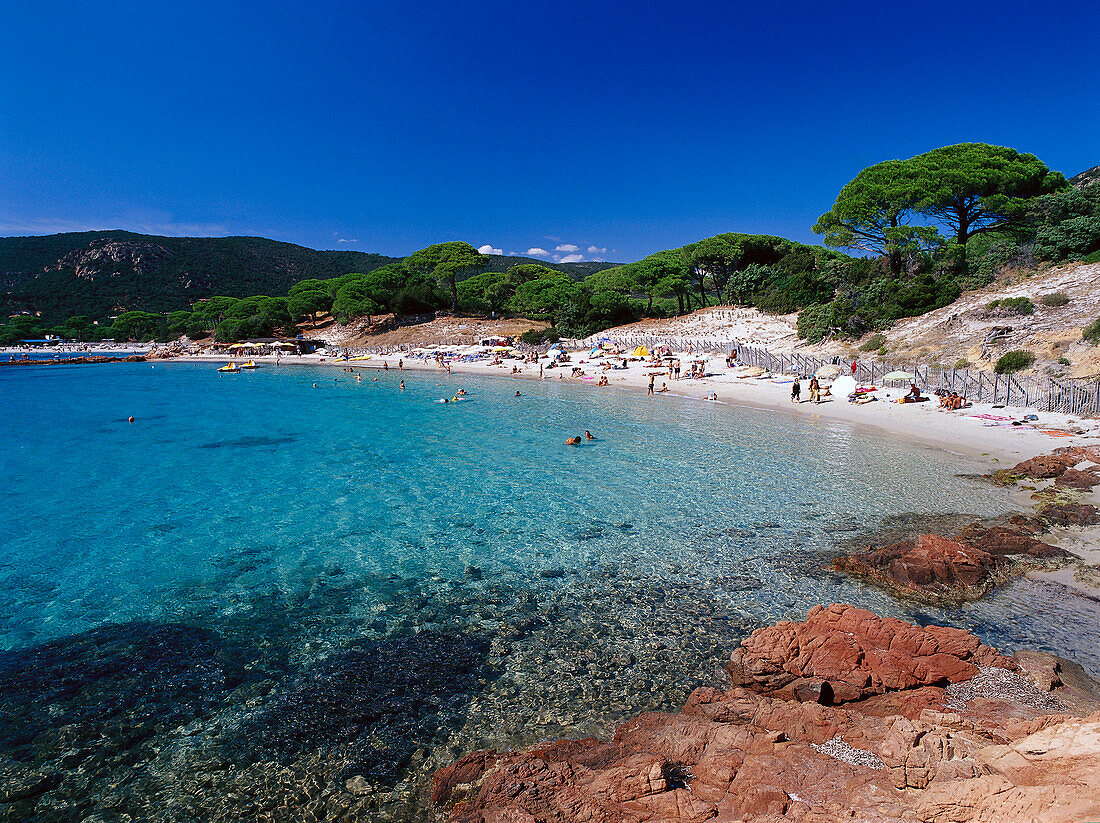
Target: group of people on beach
x=815, y=390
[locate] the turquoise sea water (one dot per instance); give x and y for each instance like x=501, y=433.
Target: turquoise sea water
x=277, y=555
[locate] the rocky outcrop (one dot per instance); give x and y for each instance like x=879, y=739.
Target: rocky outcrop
x=930, y=568
x=1071, y=514
x=77, y=361
x=938, y=569
x=985, y=748
x=104, y=258
x=845, y=653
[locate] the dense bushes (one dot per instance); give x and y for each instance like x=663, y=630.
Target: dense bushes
x=536, y=337
x=1058, y=298
x=1091, y=332
x=1014, y=361
x=1066, y=224
x=874, y=342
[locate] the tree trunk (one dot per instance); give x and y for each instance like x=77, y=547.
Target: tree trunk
x=894, y=258
x=702, y=293
x=680, y=300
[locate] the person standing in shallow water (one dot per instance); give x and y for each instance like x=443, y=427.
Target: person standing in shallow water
x=650, y=392
x=796, y=391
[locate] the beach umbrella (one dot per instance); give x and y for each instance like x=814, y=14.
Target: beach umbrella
x=842, y=387
x=899, y=375
x=827, y=371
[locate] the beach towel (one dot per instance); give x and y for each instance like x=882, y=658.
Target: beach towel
x=990, y=417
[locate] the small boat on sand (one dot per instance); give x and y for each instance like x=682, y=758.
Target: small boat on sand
x=230, y=367
x=250, y=365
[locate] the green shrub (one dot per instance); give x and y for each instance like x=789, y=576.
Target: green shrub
x=1091, y=334
x=1092, y=258
x=1064, y=361
x=534, y=337
x=1058, y=298
x=1017, y=360
x=1014, y=305
x=875, y=341
x=962, y=363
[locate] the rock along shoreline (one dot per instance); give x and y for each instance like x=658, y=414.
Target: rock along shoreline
x=845, y=716
x=848, y=715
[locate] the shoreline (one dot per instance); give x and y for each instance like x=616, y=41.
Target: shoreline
x=922, y=423
x=996, y=446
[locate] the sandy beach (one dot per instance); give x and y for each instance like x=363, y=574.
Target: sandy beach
x=960, y=432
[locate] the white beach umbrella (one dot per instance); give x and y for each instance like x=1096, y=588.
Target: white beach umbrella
x=899, y=375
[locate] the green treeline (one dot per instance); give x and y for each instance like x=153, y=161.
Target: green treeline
x=927, y=228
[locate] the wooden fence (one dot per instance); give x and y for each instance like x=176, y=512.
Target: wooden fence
x=1080, y=398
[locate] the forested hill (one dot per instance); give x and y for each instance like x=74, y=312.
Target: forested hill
x=102, y=273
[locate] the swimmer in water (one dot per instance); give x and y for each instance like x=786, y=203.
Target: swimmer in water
x=402, y=385
x=573, y=441
x=517, y=394
x=131, y=419
x=588, y=435
x=314, y=385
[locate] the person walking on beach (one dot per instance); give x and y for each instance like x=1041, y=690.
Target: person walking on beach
x=815, y=390
x=796, y=391
x=650, y=392
x=676, y=367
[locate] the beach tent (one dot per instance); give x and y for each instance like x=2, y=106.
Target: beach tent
x=641, y=351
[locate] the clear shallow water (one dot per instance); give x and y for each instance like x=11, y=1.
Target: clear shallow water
x=292, y=530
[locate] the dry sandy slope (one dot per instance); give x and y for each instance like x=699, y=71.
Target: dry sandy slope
x=957, y=331
x=715, y=323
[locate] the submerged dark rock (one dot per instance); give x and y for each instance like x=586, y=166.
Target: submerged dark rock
x=105, y=689
x=376, y=702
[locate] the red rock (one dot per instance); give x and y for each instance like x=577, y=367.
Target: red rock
x=1071, y=514
x=1073, y=479
x=1044, y=466
x=858, y=654
x=1003, y=541
x=742, y=756
x=931, y=568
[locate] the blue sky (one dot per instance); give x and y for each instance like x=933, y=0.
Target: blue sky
x=598, y=130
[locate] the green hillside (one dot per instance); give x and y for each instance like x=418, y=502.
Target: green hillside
x=100, y=274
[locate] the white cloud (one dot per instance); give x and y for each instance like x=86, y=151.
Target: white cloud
x=569, y=258
x=594, y=250
x=488, y=249
x=537, y=252
x=343, y=240
x=568, y=247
